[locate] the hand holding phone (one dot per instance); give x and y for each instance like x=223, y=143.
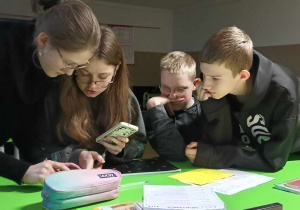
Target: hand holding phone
x=122, y=129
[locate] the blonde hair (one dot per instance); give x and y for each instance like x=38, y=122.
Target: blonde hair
x=179, y=62
x=231, y=46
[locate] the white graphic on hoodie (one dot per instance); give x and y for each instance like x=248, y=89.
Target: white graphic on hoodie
x=258, y=128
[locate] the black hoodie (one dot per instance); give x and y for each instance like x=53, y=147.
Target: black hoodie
x=262, y=133
x=169, y=135
x=23, y=86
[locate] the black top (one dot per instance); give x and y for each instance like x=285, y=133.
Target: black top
x=169, y=135
x=70, y=151
x=23, y=85
x=259, y=134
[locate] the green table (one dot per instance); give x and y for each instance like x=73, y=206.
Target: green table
x=28, y=197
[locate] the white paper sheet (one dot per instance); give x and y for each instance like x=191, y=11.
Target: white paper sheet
x=240, y=181
x=180, y=197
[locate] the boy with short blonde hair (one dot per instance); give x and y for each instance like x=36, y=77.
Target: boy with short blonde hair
x=179, y=62
x=172, y=119
x=250, y=107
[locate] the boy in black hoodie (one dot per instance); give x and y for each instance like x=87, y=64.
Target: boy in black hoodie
x=250, y=107
x=172, y=119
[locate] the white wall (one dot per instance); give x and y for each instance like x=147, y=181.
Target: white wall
x=146, y=40
x=268, y=22
x=16, y=7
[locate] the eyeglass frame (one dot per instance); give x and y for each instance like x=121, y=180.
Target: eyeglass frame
x=174, y=92
x=90, y=81
x=67, y=66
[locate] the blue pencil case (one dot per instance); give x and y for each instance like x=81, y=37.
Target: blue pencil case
x=68, y=189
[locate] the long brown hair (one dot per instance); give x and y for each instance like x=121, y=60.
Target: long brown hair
x=83, y=119
x=70, y=24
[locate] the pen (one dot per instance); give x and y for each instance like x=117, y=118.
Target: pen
x=197, y=80
x=98, y=164
x=133, y=184
x=130, y=205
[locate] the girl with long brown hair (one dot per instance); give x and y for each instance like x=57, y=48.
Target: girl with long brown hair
x=95, y=99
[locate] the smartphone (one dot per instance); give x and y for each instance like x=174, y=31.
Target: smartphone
x=122, y=129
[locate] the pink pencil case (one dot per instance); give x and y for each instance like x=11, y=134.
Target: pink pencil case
x=68, y=189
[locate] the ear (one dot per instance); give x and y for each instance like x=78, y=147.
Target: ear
x=42, y=40
x=244, y=74
x=194, y=84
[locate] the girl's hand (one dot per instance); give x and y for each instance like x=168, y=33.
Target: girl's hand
x=38, y=173
x=87, y=159
x=117, y=146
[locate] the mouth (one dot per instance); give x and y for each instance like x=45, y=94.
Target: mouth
x=176, y=101
x=90, y=92
x=211, y=93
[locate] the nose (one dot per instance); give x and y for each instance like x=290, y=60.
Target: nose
x=172, y=95
x=93, y=85
x=69, y=72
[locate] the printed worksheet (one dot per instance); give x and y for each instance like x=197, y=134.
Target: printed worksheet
x=180, y=197
x=240, y=181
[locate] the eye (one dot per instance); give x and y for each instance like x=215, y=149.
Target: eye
x=180, y=90
x=216, y=78
x=164, y=88
x=103, y=77
x=73, y=66
x=83, y=73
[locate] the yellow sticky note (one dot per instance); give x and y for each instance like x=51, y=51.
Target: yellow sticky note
x=201, y=176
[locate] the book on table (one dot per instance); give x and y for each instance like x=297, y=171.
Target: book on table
x=290, y=186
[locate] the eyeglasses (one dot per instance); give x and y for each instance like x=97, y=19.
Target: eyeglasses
x=71, y=66
x=177, y=91
x=86, y=79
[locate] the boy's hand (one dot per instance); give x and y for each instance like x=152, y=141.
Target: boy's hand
x=154, y=101
x=202, y=95
x=117, y=147
x=39, y=172
x=191, y=151
x=87, y=159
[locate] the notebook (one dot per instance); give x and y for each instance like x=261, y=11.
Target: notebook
x=290, y=186
x=143, y=166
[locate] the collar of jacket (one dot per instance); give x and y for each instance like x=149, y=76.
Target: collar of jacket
x=262, y=70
